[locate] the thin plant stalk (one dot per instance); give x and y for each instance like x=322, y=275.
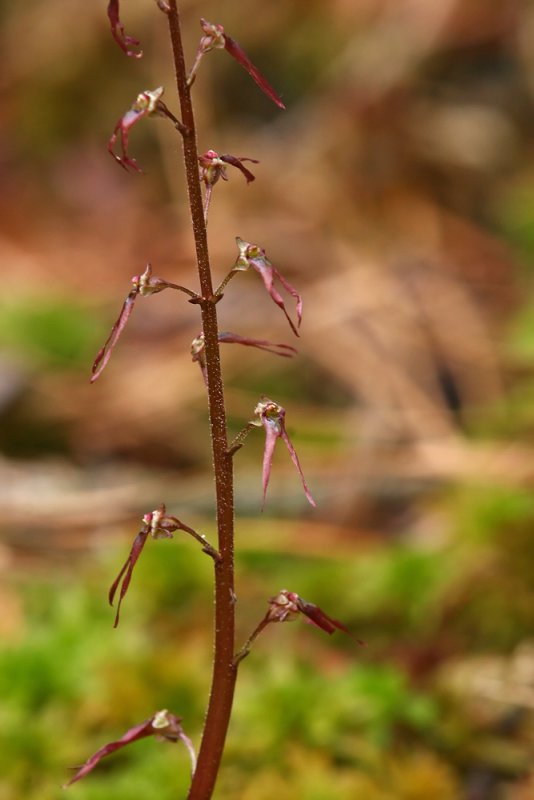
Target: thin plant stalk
x=224, y=668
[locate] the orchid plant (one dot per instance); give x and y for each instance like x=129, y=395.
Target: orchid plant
x=206, y=170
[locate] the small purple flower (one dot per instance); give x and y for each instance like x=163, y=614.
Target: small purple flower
x=198, y=347
x=148, y=103
x=286, y=606
x=213, y=167
x=163, y=725
x=250, y=255
x=117, y=31
x=159, y=526
x=272, y=417
x=216, y=39
x=144, y=285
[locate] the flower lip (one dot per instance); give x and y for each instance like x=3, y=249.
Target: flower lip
x=286, y=605
x=163, y=725
x=252, y=255
x=148, y=103
x=213, y=166
x=118, y=32
x=215, y=38
x=272, y=417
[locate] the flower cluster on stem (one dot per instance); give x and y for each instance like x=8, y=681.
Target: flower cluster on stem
x=206, y=169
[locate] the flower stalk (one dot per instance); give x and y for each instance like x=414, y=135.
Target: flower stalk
x=224, y=669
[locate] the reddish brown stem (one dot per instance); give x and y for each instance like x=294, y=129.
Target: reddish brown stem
x=224, y=669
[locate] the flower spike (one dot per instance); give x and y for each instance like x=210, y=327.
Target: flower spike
x=117, y=31
x=250, y=255
x=272, y=417
x=163, y=725
x=144, y=285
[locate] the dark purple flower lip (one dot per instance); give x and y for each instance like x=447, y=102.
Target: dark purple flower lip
x=144, y=285
x=163, y=725
x=148, y=103
x=285, y=606
x=251, y=255
x=213, y=166
x=215, y=38
x=159, y=525
x=198, y=347
x=272, y=417
x=279, y=349
x=125, y=575
x=237, y=52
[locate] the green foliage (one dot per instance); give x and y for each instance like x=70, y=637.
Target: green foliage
x=316, y=717
x=318, y=710
x=51, y=331
x=484, y=513
x=516, y=215
x=387, y=592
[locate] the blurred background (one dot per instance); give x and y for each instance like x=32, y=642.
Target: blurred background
x=397, y=194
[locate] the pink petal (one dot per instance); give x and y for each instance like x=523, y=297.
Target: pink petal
x=104, y=354
x=126, y=571
x=117, y=31
x=296, y=462
x=237, y=52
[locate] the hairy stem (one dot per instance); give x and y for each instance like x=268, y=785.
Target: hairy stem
x=224, y=669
